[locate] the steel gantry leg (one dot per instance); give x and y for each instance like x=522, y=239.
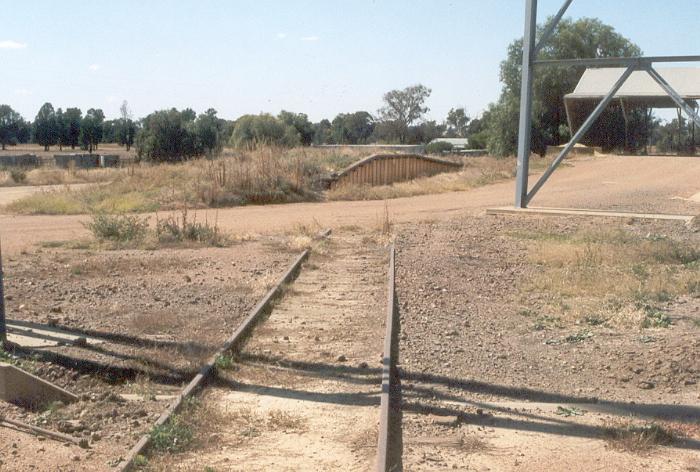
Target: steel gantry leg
x=3, y=328
x=581, y=131
x=675, y=96
x=525, y=129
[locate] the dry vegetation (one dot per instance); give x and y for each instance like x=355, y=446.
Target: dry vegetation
x=266, y=175
x=578, y=270
x=262, y=176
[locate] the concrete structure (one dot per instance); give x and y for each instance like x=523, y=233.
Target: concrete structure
x=384, y=169
x=79, y=161
x=20, y=160
x=22, y=388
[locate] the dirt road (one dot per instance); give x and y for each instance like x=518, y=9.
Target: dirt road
x=661, y=184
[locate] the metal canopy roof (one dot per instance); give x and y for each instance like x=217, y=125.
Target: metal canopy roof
x=640, y=88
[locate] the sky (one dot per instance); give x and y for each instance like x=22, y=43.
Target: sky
x=310, y=56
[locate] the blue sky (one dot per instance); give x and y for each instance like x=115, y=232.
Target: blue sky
x=311, y=56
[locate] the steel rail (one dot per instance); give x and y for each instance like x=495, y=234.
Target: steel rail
x=206, y=370
x=387, y=407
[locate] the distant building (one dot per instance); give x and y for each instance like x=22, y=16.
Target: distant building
x=458, y=144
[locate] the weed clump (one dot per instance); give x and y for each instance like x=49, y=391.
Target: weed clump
x=180, y=229
x=639, y=438
x=117, y=228
x=173, y=436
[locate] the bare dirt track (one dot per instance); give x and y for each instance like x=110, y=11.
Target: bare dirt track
x=661, y=184
x=303, y=393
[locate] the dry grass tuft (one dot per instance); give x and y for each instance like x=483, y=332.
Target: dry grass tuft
x=612, y=277
x=638, y=438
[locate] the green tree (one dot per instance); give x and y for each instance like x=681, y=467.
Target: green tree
x=352, y=128
x=61, y=129
x=300, y=122
x=322, y=132
x=457, y=123
x=45, y=129
x=72, y=119
x=167, y=136
x=209, y=129
x=403, y=108
x=264, y=129
x=126, y=128
x=584, y=38
x=91, y=129
x=10, y=125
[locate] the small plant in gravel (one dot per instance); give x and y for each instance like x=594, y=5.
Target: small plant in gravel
x=654, y=318
x=140, y=461
x=117, y=228
x=223, y=362
x=579, y=337
x=638, y=438
x=173, y=436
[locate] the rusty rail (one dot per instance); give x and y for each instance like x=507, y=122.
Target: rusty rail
x=239, y=335
x=389, y=378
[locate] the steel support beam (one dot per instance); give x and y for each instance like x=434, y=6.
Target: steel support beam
x=551, y=26
x=525, y=127
x=615, y=61
x=3, y=326
x=581, y=132
x=675, y=96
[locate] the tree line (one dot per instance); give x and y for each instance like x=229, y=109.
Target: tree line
x=69, y=128
x=168, y=135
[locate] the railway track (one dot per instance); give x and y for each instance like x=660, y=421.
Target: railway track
x=312, y=381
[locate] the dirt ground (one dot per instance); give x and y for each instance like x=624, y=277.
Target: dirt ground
x=303, y=394
x=161, y=313
x=500, y=374
x=661, y=184
x=486, y=362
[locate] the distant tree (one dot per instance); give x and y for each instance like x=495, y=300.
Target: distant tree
x=300, y=122
x=404, y=107
x=91, y=129
x=111, y=129
x=425, y=132
x=167, y=136
x=126, y=129
x=322, y=132
x=72, y=119
x=457, y=123
x=61, y=130
x=45, y=129
x=188, y=114
x=583, y=38
x=10, y=125
x=24, y=131
x=352, y=128
x=209, y=129
x=264, y=129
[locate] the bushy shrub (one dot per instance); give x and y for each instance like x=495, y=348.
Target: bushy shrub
x=117, y=228
x=439, y=147
x=18, y=176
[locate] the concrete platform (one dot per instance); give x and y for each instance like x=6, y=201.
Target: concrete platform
x=585, y=212
x=34, y=335
x=18, y=386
